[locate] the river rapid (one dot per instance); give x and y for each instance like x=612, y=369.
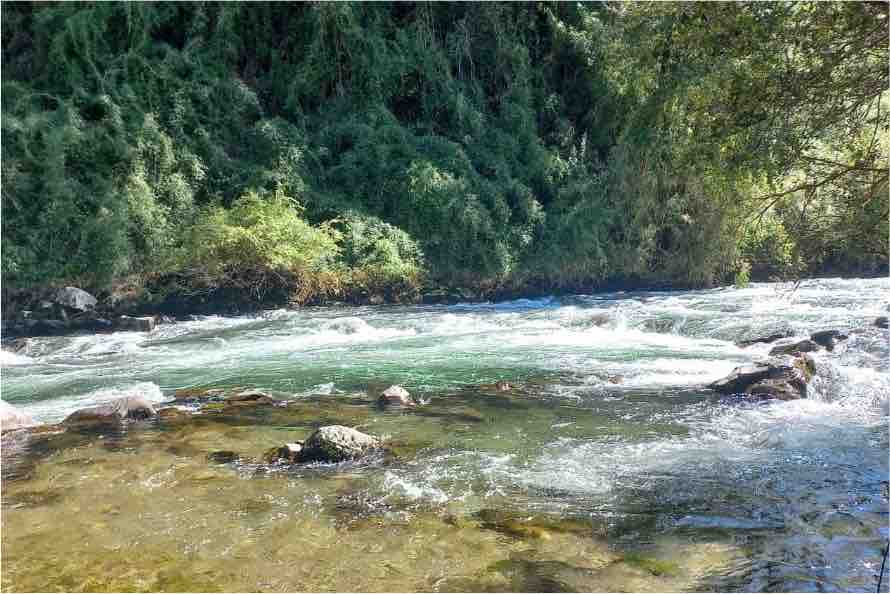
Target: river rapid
x=609, y=466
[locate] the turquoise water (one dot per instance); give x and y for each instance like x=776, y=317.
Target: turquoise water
x=608, y=466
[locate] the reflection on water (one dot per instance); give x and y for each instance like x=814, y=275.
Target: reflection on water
x=608, y=467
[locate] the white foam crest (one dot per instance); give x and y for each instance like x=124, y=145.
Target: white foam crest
x=9, y=359
x=54, y=410
x=401, y=485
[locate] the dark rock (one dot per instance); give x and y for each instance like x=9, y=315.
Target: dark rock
x=774, y=389
x=881, y=322
x=396, y=396
x=803, y=346
x=143, y=324
x=91, y=324
x=289, y=452
x=336, y=443
x=46, y=327
x=128, y=408
x=75, y=299
x=222, y=457
x=784, y=378
x=785, y=333
x=13, y=418
x=828, y=338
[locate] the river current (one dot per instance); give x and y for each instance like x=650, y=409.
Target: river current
x=609, y=466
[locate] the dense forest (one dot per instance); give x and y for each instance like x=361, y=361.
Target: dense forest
x=329, y=149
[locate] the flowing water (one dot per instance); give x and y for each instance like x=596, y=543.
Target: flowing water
x=608, y=466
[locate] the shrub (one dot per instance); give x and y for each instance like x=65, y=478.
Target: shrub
x=258, y=233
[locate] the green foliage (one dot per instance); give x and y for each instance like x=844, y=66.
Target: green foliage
x=379, y=248
x=560, y=144
x=258, y=232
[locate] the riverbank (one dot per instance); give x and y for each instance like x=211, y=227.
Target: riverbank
x=145, y=302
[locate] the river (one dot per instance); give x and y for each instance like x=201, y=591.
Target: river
x=608, y=466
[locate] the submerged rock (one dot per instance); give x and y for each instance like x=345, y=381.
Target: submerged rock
x=784, y=379
x=882, y=322
x=336, y=443
x=396, y=396
x=74, y=298
x=828, y=338
x=128, y=408
x=802, y=346
x=222, y=457
x=13, y=418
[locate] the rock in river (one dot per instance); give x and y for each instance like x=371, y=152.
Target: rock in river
x=773, y=337
x=396, y=396
x=131, y=407
x=882, y=322
x=143, y=324
x=828, y=338
x=783, y=378
x=13, y=418
x=336, y=443
x=803, y=346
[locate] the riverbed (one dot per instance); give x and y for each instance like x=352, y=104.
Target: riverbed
x=608, y=465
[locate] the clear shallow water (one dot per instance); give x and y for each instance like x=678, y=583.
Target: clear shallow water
x=570, y=482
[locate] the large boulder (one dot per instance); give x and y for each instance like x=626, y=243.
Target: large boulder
x=782, y=378
x=336, y=443
x=828, y=338
x=396, y=396
x=882, y=322
x=801, y=346
x=13, y=418
x=128, y=408
x=75, y=299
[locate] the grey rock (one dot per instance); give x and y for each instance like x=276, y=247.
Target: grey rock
x=74, y=298
x=130, y=407
x=882, y=322
x=336, y=443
